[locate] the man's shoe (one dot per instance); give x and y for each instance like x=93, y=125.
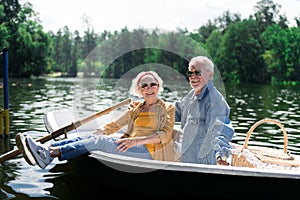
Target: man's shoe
x=40, y=152
x=20, y=142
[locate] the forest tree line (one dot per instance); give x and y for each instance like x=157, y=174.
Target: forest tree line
x=261, y=48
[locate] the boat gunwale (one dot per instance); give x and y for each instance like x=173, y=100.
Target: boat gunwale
x=192, y=167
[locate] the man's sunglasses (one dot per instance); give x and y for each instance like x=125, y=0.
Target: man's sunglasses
x=144, y=85
x=196, y=73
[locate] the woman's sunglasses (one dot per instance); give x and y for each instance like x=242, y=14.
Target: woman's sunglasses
x=144, y=85
x=196, y=73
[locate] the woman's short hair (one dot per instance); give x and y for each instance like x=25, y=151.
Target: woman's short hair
x=135, y=90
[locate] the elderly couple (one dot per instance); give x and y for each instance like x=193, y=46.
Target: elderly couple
x=203, y=113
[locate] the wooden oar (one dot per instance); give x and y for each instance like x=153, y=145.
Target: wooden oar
x=66, y=129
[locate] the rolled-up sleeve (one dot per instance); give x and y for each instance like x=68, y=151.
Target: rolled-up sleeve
x=221, y=128
x=114, y=126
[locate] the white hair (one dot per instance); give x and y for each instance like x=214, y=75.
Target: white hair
x=135, y=89
x=203, y=60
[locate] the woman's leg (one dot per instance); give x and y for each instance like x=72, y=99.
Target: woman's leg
x=55, y=146
x=71, y=148
x=65, y=141
x=107, y=144
x=101, y=143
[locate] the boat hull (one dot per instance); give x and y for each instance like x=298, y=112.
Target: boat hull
x=182, y=184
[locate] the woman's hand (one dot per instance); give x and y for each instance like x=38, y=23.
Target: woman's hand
x=99, y=131
x=126, y=143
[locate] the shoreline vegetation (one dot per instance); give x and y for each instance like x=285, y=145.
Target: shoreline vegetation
x=81, y=75
x=260, y=48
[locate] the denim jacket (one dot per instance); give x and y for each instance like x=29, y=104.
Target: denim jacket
x=207, y=129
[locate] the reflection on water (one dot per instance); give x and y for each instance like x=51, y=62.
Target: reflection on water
x=31, y=99
x=250, y=103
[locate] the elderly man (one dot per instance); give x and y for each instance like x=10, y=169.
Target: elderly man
x=204, y=117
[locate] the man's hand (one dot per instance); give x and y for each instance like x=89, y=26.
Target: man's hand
x=222, y=162
x=132, y=105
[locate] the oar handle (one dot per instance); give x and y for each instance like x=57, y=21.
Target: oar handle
x=101, y=113
x=58, y=132
x=65, y=129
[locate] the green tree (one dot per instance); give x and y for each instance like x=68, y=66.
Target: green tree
x=226, y=19
x=204, y=31
x=66, y=50
x=57, y=54
x=213, y=45
x=241, y=52
x=282, y=53
x=3, y=31
x=89, y=43
x=75, y=57
x=267, y=14
x=11, y=9
x=28, y=45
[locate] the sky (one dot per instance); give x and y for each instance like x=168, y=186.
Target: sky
x=113, y=15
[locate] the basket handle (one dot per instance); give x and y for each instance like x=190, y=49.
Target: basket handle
x=264, y=121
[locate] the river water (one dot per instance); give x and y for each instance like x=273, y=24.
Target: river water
x=31, y=99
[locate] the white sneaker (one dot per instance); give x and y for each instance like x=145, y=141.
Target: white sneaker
x=40, y=152
x=20, y=142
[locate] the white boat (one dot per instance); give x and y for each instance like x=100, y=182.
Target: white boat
x=154, y=178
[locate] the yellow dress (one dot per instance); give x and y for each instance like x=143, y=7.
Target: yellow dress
x=145, y=125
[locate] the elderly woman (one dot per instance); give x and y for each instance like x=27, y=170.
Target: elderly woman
x=148, y=136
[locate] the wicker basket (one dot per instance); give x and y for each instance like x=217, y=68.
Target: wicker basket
x=263, y=157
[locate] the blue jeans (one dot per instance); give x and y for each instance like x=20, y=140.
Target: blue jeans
x=74, y=147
